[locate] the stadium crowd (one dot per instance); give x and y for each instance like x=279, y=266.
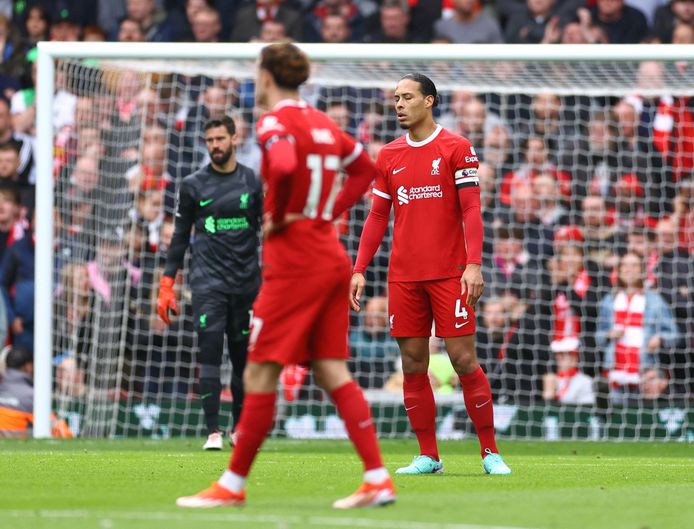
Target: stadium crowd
x=588, y=202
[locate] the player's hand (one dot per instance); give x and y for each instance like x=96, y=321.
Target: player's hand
x=270, y=227
x=356, y=288
x=472, y=283
x=166, y=301
x=616, y=333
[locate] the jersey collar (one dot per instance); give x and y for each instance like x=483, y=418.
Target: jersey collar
x=422, y=143
x=290, y=103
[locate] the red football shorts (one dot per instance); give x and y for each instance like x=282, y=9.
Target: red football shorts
x=300, y=319
x=412, y=306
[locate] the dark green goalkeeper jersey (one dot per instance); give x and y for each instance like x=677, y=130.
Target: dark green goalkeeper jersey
x=226, y=211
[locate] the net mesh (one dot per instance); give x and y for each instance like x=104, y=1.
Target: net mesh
x=582, y=163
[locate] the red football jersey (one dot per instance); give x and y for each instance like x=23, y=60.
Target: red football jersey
x=322, y=149
x=422, y=181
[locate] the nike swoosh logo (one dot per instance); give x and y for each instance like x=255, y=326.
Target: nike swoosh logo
x=485, y=402
x=203, y=397
x=459, y=325
x=245, y=331
x=207, y=202
x=410, y=408
x=396, y=171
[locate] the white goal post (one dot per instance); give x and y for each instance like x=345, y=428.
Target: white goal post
x=49, y=52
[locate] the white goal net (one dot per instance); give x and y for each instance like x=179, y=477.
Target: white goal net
x=586, y=326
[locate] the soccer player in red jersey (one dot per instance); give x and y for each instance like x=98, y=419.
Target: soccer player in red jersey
x=301, y=314
x=429, y=176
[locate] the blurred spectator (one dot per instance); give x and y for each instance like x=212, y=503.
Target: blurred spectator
x=638, y=161
x=489, y=207
x=85, y=176
x=512, y=269
x=683, y=33
x=654, y=383
x=599, y=238
x=536, y=161
x=536, y=24
x=391, y=24
x=156, y=24
x=250, y=18
x=12, y=226
x=470, y=24
x=335, y=29
x=470, y=118
x=129, y=30
x=247, y=149
x=66, y=27
x=21, y=142
x=546, y=204
x=622, y=23
x=634, y=327
x=17, y=394
x=536, y=237
x=496, y=328
x=577, y=284
x=593, y=171
x=149, y=214
x=271, y=31
x=373, y=350
x=10, y=177
x=12, y=50
x=334, y=21
x=339, y=113
x=498, y=149
x=683, y=214
x=671, y=15
x=674, y=271
x=206, y=25
x=568, y=385
x=150, y=173
x=37, y=25
x=582, y=30
x=17, y=284
x=93, y=34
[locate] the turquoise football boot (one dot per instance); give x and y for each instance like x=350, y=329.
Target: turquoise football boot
x=422, y=465
x=494, y=464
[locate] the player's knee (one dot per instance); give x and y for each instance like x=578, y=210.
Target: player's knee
x=261, y=378
x=464, y=361
x=210, y=371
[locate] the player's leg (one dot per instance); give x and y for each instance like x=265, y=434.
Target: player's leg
x=329, y=352
x=260, y=381
x=377, y=488
x=238, y=324
x=210, y=348
x=411, y=318
x=455, y=323
x=209, y=317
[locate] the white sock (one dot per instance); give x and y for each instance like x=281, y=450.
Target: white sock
x=231, y=481
x=376, y=475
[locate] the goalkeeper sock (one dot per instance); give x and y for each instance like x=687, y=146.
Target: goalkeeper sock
x=421, y=410
x=209, y=395
x=354, y=411
x=478, y=402
x=256, y=422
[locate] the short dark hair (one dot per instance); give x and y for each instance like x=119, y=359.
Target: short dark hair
x=18, y=357
x=286, y=63
x=227, y=122
x=426, y=85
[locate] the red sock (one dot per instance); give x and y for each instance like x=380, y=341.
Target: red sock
x=421, y=410
x=478, y=402
x=256, y=421
x=356, y=414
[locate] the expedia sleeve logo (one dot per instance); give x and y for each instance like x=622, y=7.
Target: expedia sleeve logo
x=405, y=196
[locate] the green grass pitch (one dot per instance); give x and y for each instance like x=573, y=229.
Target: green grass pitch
x=133, y=484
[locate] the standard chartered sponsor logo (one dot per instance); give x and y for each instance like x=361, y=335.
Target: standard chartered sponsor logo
x=213, y=225
x=405, y=195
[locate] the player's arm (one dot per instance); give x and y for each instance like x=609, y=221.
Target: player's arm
x=280, y=153
x=360, y=173
x=372, y=234
x=183, y=223
x=468, y=185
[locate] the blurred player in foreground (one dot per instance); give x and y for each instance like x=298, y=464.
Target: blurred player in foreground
x=301, y=314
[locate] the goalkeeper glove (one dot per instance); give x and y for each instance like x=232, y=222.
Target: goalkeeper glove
x=166, y=301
